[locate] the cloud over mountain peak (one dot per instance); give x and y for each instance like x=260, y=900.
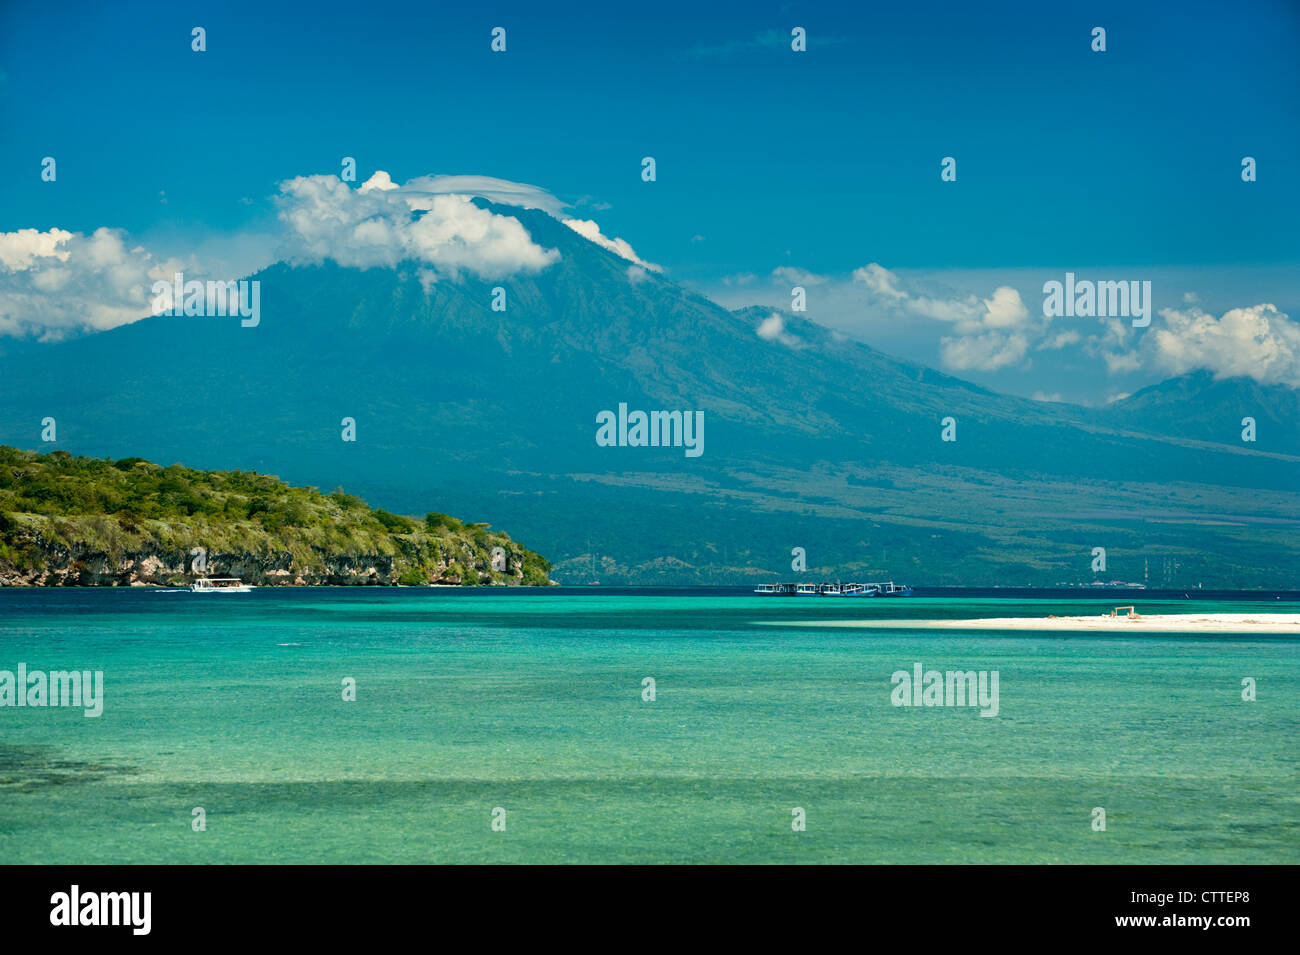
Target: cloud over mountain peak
x=429, y=219
x=381, y=224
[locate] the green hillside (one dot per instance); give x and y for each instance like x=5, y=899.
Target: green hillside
x=75, y=520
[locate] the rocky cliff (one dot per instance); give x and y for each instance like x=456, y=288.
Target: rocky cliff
x=84, y=565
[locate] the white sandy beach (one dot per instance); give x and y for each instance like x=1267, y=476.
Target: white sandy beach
x=1156, y=623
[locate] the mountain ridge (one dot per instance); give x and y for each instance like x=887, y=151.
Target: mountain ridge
x=810, y=437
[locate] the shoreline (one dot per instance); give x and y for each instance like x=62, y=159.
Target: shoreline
x=1288, y=623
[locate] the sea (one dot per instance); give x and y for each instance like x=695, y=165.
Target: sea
x=437, y=725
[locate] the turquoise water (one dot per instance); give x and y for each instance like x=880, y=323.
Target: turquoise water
x=532, y=702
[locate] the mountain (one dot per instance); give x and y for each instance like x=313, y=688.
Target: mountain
x=810, y=440
x=1200, y=406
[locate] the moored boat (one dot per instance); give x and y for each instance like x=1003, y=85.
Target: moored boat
x=859, y=590
x=890, y=589
x=776, y=589
x=837, y=589
x=220, y=585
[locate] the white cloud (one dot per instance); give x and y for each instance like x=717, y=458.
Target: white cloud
x=502, y=191
x=880, y=280
x=381, y=224
x=964, y=312
x=58, y=283
x=1256, y=342
x=971, y=314
x=1114, y=341
x=772, y=329
x=380, y=180
x=1118, y=363
x=1004, y=309
x=1060, y=340
x=790, y=275
x=22, y=249
x=990, y=333
x=591, y=231
x=380, y=235
x=987, y=352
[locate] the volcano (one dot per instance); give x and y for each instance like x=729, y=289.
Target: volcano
x=876, y=467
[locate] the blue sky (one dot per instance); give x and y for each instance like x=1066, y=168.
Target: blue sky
x=826, y=161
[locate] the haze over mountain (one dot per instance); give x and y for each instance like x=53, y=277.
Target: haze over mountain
x=810, y=439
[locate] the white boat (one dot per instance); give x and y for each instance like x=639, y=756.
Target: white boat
x=891, y=589
x=837, y=589
x=859, y=590
x=220, y=585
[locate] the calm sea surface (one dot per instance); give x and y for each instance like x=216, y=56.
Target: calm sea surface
x=532, y=702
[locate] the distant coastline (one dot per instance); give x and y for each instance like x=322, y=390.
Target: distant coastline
x=1287, y=623
x=73, y=521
